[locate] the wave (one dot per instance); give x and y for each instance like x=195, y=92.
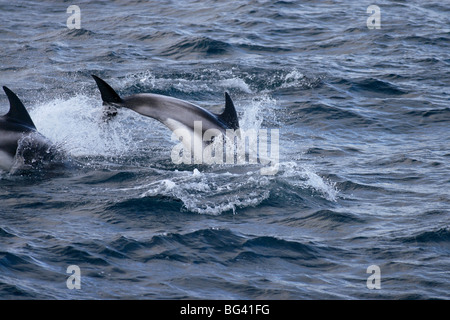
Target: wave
x=197, y=47
x=65, y=33
x=73, y=255
x=332, y=216
x=14, y=291
x=346, y=186
x=441, y=235
x=220, y=189
x=6, y=234
x=207, y=193
x=431, y=116
x=218, y=245
x=15, y=262
x=370, y=86
x=329, y=115
x=207, y=83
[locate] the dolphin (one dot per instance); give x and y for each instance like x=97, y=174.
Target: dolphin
x=178, y=115
x=21, y=145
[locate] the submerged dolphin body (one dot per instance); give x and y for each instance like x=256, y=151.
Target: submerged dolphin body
x=176, y=114
x=21, y=145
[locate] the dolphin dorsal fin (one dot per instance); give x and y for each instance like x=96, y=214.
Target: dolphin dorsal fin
x=17, y=110
x=229, y=115
x=108, y=93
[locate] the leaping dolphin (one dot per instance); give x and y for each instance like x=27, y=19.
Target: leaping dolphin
x=176, y=114
x=21, y=145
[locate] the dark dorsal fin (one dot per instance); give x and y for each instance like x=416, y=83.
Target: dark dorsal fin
x=17, y=110
x=108, y=93
x=229, y=115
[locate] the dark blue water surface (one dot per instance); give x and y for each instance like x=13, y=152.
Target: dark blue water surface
x=364, y=172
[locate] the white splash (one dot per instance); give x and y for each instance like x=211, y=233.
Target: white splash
x=76, y=124
x=305, y=178
x=236, y=83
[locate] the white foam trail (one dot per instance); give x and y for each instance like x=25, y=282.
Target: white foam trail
x=146, y=78
x=214, y=193
x=236, y=83
x=209, y=193
x=226, y=81
x=76, y=124
x=304, y=177
x=255, y=111
x=293, y=79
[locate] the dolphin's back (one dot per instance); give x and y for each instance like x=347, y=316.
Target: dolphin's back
x=167, y=109
x=171, y=111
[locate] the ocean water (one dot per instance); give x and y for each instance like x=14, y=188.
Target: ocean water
x=364, y=171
